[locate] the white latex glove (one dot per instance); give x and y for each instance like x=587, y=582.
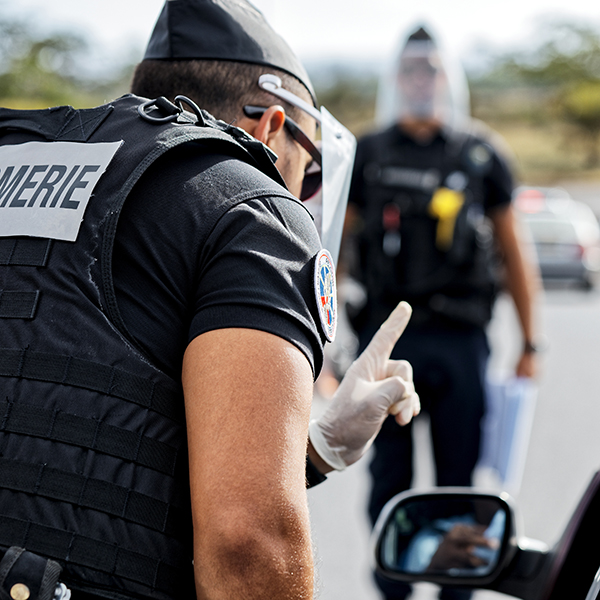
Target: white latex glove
x=373, y=387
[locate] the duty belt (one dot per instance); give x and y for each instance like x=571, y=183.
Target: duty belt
x=28, y=576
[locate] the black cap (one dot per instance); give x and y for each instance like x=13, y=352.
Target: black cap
x=221, y=30
x=420, y=34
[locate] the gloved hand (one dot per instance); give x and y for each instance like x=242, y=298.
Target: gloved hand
x=373, y=387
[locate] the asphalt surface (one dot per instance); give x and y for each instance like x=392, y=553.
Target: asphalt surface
x=563, y=450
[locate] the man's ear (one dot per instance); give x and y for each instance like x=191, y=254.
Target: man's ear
x=268, y=127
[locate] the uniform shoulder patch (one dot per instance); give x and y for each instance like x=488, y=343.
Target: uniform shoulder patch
x=326, y=293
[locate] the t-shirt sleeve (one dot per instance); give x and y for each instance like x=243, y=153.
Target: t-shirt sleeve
x=256, y=271
x=207, y=242
x=499, y=184
x=499, y=180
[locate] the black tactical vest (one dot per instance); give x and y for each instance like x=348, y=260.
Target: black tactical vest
x=93, y=452
x=444, y=269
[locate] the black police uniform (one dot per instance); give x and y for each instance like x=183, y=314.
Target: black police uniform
x=446, y=271
x=187, y=231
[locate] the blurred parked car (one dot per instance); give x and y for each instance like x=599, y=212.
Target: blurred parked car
x=565, y=233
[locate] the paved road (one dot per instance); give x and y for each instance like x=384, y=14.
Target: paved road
x=564, y=449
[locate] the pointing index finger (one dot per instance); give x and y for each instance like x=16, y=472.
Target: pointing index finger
x=385, y=339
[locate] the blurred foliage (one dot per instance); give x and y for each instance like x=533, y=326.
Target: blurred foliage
x=543, y=98
x=552, y=91
x=580, y=105
x=348, y=95
x=564, y=53
x=38, y=71
x=35, y=71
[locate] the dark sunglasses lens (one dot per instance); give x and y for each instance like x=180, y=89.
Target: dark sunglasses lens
x=311, y=185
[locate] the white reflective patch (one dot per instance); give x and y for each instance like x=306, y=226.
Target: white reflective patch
x=45, y=186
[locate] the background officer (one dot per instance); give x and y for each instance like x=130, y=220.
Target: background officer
x=431, y=196
x=184, y=284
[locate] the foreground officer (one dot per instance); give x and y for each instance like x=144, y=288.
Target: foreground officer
x=188, y=292
x=186, y=55
x=425, y=191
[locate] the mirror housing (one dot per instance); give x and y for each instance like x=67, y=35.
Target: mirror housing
x=446, y=536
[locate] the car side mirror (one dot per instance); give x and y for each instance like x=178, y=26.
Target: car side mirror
x=448, y=536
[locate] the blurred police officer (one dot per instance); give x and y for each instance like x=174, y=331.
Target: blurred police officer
x=431, y=196
x=189, y=293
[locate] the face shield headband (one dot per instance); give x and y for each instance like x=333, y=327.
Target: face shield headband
x=338, y=146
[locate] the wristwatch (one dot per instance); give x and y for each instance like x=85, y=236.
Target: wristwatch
x=313, y=475
x=530, y=348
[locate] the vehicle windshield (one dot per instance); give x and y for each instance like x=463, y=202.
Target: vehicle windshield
x=548, y=231
x=579, y=227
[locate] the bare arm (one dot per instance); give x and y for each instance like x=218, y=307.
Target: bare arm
x=522, y=281
x=247, y=397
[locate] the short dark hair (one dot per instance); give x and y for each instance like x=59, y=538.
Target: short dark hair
x=222, y=88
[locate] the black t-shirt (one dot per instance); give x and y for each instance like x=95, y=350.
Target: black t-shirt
x=423, y=159
x=208, y=242
x=402, y=241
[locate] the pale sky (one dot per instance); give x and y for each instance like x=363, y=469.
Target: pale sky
x=350, y=29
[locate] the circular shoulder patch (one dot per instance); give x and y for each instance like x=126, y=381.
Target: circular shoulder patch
x=326, y=293
x=480, y=155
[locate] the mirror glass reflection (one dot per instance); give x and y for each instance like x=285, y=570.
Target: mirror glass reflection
x=458, y=537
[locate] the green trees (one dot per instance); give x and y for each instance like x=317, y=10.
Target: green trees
x=567, y=63
x=579, y=104
x=554, y=84
x=38, y=70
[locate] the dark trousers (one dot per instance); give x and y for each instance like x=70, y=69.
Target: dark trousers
x=449, y=373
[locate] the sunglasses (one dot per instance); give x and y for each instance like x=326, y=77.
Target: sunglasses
x=312, y=175
x=419, y=69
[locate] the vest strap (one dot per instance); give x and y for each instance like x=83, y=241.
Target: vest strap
x=86, y=492
x=26, y=252
x=91, y=434
x=89, y=375
x=18, y=305
x=59, y=123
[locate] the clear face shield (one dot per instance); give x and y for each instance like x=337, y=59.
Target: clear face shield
x=327, y=181
x=423, y=83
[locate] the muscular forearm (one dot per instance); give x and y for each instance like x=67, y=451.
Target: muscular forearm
x=248, y=397
x=522, y=282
